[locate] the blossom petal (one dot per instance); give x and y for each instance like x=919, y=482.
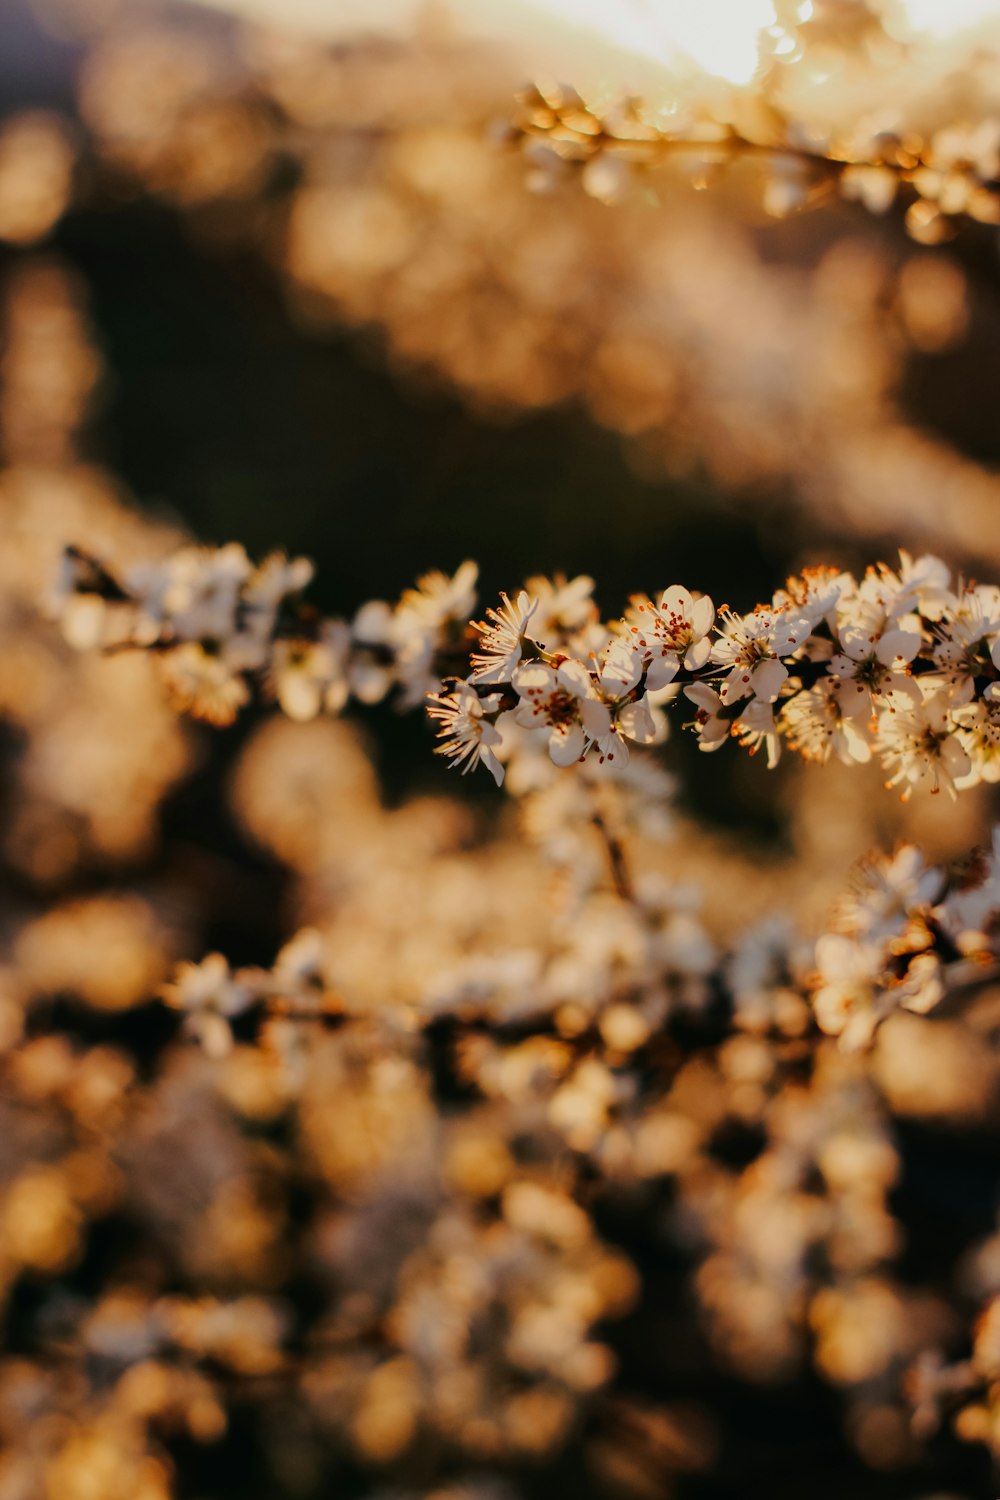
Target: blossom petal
x=855, y=743
x=614, y=751
x=697, y=653
x=661, y=671
x=736, y=686
x=566, y=744
x=596, y=718
x=704, y=696
x=857, y=644
x=574, y=677
x=898, y=645
x=702, y=615
x=620, y=669
x=489, y=760
x=767, y=678
x=636, y=721
x=676, y=601
x=854, y=700
x=532, y=677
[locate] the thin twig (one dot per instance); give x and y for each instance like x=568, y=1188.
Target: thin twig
x=617, y=858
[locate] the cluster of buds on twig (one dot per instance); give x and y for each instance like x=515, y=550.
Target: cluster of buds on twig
x=951, y=175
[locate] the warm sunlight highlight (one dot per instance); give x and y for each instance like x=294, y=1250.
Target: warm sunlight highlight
x=720, y=36
x=946, y=17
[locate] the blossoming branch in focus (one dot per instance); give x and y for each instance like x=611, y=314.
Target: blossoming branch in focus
x=902, y=665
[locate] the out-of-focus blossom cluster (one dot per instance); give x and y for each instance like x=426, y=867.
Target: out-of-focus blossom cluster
x=36, y=175
x=98, y=748
x=453, y=1146
x=368, y=173
x=780, y=1148
x=902, y=939
x=436, y=1222
x=613, y=968
x=900, y=666
x=966, y=1391
x=952, y=174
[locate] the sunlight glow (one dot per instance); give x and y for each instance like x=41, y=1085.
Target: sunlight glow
x=715, y=38
x=720, y=37
x=946, y=17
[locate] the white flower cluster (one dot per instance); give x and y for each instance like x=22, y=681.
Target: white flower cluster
x=904, y=939
x=583, y=694
x=901, y=665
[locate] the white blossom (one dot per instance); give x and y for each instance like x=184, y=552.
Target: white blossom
x=632, y=721
x=713, y=730
x=871, y=667
x=310, y=676
x=566, y=612
x=917, y=743
x=967, y=636
x=978, y=729
x=671, y=634
x=201, y=589
x=562, y=701
x=423, y=621
x=203, y=682
x=750, y=648
x=888, y=890
x=373, y=637
x=469, y=736
x=849, y=1002
x=815, y=724
x=755, y=729
x=210, y=996
x=502, y=636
